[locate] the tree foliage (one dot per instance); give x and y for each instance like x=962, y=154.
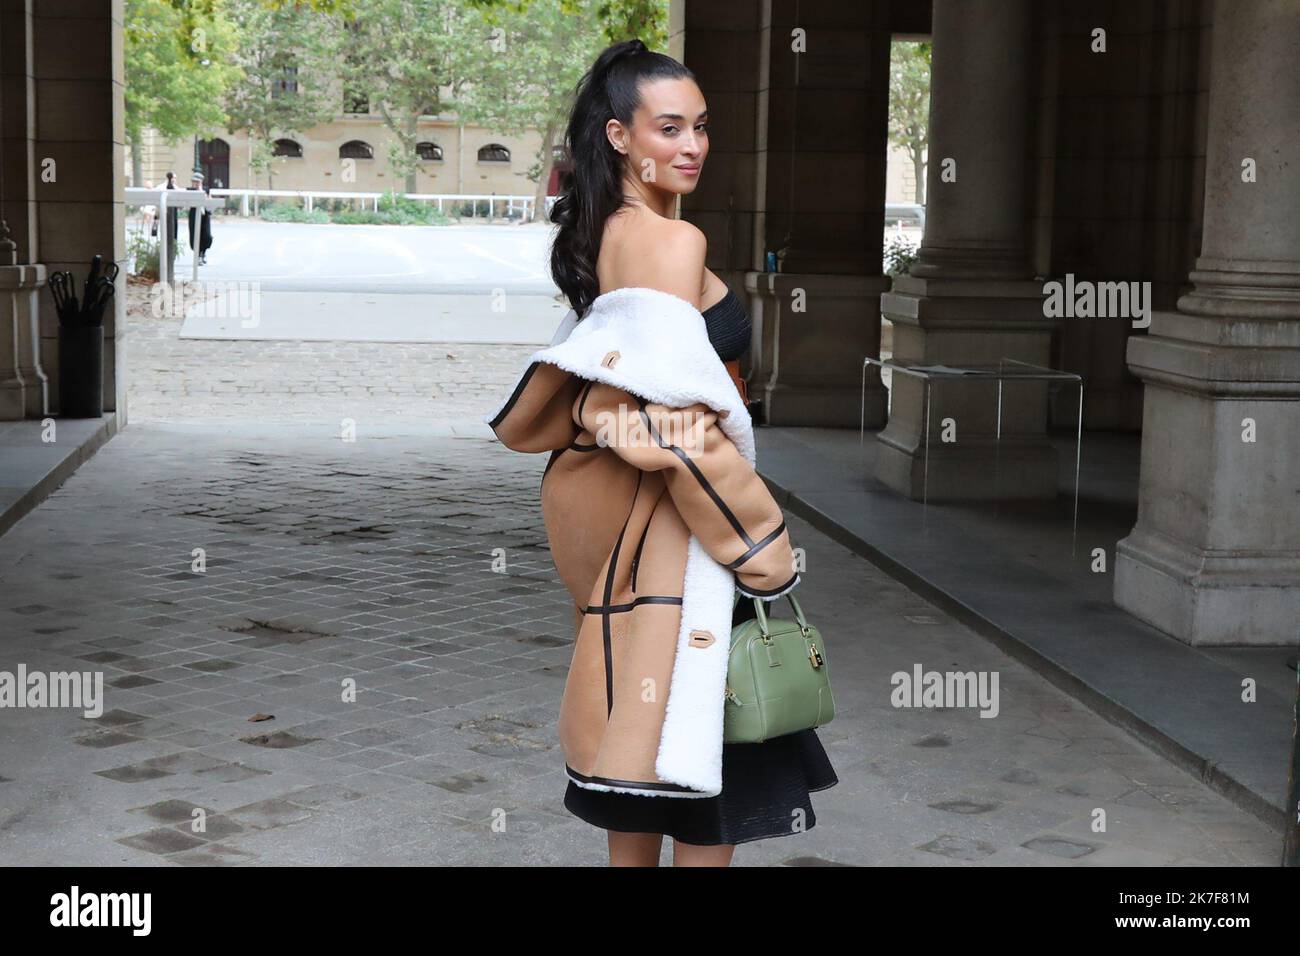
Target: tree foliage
x=507, y=65
x=177, y=64
x=299, y=46
x=909, y=105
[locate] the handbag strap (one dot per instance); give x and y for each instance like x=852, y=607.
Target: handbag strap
x=762, y=615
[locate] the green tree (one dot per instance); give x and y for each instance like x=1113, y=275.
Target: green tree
x=909, y=105
x=176, y=60
x=616, y=20
x=524, y=76
x=402, y=70
x=510, y=65
x=344, y=8
x=287, y=61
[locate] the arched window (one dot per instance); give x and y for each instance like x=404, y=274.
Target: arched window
x=287, y=147
x=355, y=149
x=430, y=151
x=215, y=148
x=286, y=84
x=493, y=153
x=214, y=160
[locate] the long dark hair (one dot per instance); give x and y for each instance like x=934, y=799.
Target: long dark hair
x=593, y=190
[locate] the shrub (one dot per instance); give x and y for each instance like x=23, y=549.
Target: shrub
x=143, y=251
x=292, y=212
x=394, y=210
x=355, y=217
x=900, y=254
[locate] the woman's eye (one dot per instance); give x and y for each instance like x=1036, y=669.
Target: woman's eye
x=668, y=129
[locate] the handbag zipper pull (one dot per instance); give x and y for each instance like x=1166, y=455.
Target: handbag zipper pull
x=731, y=696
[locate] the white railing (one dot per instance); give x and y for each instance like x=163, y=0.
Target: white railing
x=522, y=204
x=158, y=200
x=162, y=199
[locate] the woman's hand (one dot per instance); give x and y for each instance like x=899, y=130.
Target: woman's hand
x=720, y=497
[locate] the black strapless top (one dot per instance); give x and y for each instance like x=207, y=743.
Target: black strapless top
x=728, y=326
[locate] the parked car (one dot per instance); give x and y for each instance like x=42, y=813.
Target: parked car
x=905, y=214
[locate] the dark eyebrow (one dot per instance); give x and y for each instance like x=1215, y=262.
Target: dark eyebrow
x=678, y=116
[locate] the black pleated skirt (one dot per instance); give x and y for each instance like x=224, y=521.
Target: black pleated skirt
x=765, y=790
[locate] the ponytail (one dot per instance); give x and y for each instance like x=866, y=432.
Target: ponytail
x=593, y=190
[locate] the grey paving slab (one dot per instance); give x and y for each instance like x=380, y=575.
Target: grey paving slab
x=413, y=692
x=299, y=375
x=246, y=311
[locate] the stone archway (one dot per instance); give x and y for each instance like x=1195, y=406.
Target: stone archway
x=214, y=161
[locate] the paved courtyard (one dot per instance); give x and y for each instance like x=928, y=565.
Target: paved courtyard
x=373, y=383
x=368, y=566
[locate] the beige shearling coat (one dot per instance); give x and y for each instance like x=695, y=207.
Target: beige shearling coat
x=655, y=516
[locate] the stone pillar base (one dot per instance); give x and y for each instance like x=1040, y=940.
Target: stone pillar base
x=814, y=331
x=975, y=470
x=832, y=407
x=967, y=323
x=1215, y=555
x=1205, y=598
x=24, y=386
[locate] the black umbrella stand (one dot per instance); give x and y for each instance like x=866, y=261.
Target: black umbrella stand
x=81, y=371
x=81, y=338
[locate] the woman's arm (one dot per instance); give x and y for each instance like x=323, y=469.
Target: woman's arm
x=720, y=497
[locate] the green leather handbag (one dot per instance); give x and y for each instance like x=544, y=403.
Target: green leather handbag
x=777, y=679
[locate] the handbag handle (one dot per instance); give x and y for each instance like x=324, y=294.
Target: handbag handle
x=762, y=615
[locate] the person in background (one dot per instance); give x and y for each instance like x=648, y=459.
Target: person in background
x=150, y=212
x=171, y=212
x=205, y=227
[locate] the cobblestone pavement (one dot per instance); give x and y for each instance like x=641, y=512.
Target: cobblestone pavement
x=195, y=380
x=332, y=564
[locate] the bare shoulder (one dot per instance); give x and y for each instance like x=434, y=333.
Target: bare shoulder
x=670, y=257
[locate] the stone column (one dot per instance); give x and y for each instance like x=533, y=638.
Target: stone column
x=24, y=390
x=969, y=300
x=80, y=163
x=1215, y=555
x=809, y=183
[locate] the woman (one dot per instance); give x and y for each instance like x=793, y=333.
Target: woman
x=654, y=512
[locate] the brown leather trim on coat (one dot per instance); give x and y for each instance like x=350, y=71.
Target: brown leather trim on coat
x=755, y=592
x=514, y=396
x=695, y=470
x=639, y=784
x=609, y=594
x=620, y=608
x=582, y=400
x=732, y=565
x=733, y=369
x=636, y=557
